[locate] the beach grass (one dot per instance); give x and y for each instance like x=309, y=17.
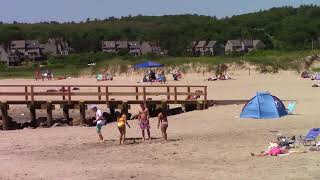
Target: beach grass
x=268, y=61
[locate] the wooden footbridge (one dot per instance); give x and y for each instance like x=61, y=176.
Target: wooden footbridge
x=79, y=96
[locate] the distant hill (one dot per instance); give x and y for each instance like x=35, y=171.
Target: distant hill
x=280, y=28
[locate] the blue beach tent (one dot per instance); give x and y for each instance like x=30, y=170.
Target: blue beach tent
x=148, y=64
x=264, y=106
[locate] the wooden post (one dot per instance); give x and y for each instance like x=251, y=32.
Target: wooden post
x=175, y=95
x=66, y=112
x=33, y=116
x=99, y=91
x=124, y=107
x=189, y=90
x=63, y=94
x=26, y=91
x=31, y=93
x=107, y=95
x=5, y=117
x=69, y=94
x=82, y=112
x=199, y=105
x=112, y=108
x=205, y=97
x=144, y=96
x=49, y=113
x=168, y=91
x=137, y=90
x=164, y=105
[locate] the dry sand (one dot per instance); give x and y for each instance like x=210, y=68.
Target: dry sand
x=209, y=144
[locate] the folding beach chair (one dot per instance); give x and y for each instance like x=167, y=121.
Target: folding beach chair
x=311, y=138
x=291, y=107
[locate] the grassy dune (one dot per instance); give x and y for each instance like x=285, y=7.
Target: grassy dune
x=77, y=64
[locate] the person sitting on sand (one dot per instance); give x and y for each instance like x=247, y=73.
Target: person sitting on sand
x=144, y=121
x=99, y=121
x=121, y=123
x=163, y=121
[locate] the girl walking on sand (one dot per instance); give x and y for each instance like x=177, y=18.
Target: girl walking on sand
x=163, y=122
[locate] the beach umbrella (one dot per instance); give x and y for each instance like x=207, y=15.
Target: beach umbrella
x=148, y=64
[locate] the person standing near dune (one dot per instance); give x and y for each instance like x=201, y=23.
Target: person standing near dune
x=144, y=121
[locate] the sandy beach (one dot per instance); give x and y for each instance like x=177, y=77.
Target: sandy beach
x=209, y=144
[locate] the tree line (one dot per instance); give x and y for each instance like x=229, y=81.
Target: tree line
x=284, y=28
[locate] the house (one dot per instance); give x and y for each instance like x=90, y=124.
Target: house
x=33, y=50
x=56, y=46
x=4, y=56
x=151, y=47
x=214, y=48
x=243, y=45
x=258, y=44
x=122, y=45
x=18, y=46
x=109, y=46
x=233, y=46
x=14, y=59
x=30, y=49
x=191, y=49
x=134, y=48
x=201, y=48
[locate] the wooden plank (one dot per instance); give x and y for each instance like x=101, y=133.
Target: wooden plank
x=175, y=94
x=66, y=113
x=63, y=93
x=69, y=93
x=107, y=95
x=137, y=91
x=26, y=92
x=144, y=96
x=205, y=104
x=157, y=85
x=82, y=112
x=99, y=92
x=33, y=116
x=5, y=117
x=49, y=114
x=31, y=93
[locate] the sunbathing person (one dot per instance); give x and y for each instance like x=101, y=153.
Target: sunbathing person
x=273, y=150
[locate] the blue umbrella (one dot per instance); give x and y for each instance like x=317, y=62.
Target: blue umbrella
x=148, y=64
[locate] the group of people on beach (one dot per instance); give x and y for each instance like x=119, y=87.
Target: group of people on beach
x=143, y=118
x=43, y=74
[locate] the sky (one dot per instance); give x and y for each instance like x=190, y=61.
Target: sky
x=77, y=10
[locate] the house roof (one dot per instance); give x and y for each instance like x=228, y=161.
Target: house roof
x=122, y=44
x=19, y=44
x=134, y=44
x=109, y=44
x=211, y=44
x=257, y=41
x=235, y=42
x=201, y=44
x=247, y=43
x=32, y=44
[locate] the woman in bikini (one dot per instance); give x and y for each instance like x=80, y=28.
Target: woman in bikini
x=144, y=121
x=121, y=123
x=163, y=121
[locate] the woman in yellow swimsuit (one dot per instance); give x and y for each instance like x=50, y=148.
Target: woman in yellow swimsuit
x=122, y=121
